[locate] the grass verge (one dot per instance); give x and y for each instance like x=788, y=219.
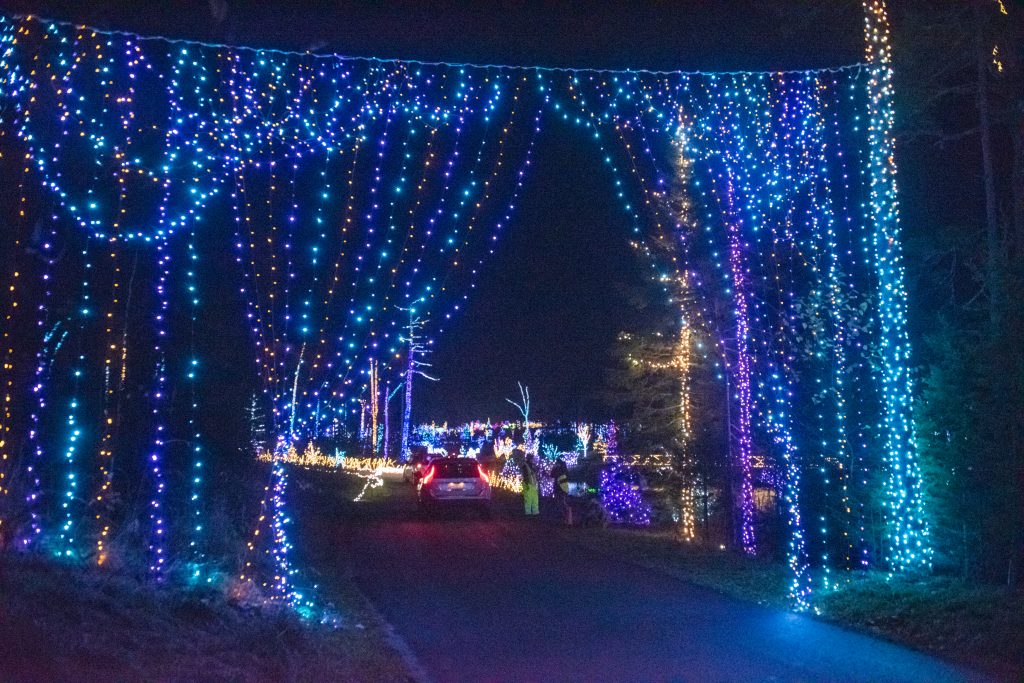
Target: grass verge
x=980, y=626
x=65, y=623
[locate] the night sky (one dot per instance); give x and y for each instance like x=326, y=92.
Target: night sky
x=550, y=302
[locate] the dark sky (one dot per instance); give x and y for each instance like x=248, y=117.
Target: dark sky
x=676, y=34
x=551, y=301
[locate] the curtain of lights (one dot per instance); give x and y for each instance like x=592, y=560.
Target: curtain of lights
x=349, y=195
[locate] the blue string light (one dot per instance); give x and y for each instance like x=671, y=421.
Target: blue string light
x=157, y=531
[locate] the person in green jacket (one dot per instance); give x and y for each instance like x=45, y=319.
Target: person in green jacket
x=531, y=489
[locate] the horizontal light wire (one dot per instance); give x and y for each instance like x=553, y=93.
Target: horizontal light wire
x=418, y=62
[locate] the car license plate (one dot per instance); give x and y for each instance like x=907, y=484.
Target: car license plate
x=457, y=486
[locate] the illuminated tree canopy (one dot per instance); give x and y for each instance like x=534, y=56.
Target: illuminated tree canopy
x=357, y=194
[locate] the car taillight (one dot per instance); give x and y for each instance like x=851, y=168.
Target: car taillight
x=483, y=474
x=428, y=476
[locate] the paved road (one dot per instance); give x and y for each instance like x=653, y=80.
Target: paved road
x=496, y=600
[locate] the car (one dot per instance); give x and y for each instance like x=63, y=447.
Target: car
x=454, y=482
x=417, y=464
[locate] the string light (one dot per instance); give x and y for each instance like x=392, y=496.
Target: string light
x=621, y=496
x=742, y=366
x=312, y=456
x=195, y=436
x=115, y=366
x=907, y=537
x=67, y=543
x=51, y=341
x=583, y=437
x=279, y=585
x=157, y=530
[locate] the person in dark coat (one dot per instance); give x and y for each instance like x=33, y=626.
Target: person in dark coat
x=560, y=475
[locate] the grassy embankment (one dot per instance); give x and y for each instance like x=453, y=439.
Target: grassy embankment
x=980, y=626
x=66, y=623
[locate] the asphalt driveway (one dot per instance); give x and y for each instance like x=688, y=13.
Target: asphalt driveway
x=505, y=600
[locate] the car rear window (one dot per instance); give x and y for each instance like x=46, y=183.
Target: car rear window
x=455, y=469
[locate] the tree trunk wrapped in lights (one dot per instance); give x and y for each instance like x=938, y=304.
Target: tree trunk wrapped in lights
x=908, y=547
x=416, y=346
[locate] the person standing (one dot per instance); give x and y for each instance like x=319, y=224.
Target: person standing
x=531, y=489
x=560, y=475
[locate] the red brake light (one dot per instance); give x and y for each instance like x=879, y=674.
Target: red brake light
x=428, y=476
x=483, y=474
